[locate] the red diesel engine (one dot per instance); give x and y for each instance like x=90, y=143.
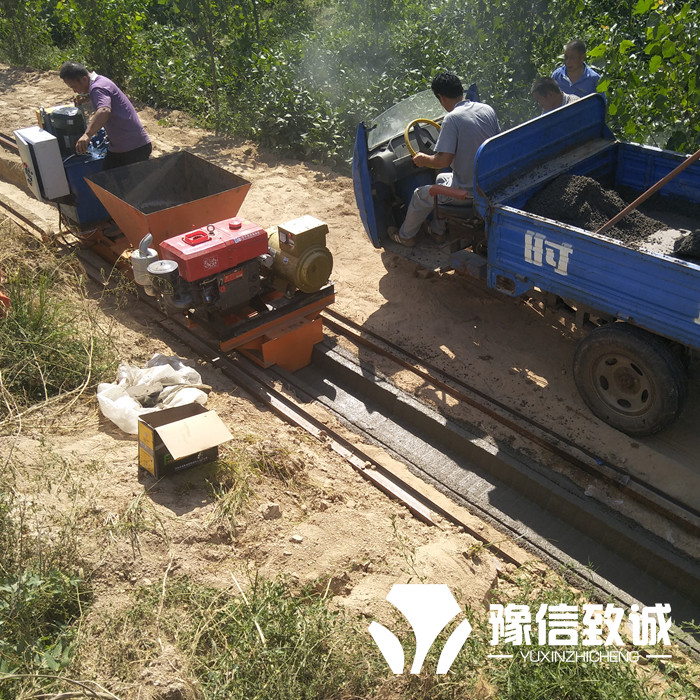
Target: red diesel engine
x=230, y=264
x=216, y=267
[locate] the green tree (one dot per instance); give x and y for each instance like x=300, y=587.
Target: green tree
x=300, y=74
x=23, y=32
x=651, y=74
x=107, y=33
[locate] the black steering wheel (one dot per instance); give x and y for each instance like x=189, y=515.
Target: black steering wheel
x=425, y=140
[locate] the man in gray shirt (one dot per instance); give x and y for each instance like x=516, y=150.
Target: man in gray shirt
x=465, y=127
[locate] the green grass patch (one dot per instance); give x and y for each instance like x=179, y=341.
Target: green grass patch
x=46, y=347
x=517, y=678
x=272, y=642
x=232, y=485
x=280, y=642
x=240, y=468
x=42, y=599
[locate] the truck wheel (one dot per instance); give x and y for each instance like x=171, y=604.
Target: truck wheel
x=630, y=378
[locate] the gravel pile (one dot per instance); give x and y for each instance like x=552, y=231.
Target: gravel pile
x=688, y=247
x=576, y=200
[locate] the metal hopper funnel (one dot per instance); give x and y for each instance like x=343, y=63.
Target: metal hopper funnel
x=167, y=196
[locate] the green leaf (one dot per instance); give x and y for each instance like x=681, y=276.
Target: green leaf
x=655, y=63
x=642, y=7
x=603, y=85
x=662, y=30
x=668, y=49
x=625, y=46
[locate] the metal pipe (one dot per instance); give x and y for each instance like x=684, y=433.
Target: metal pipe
x=145, y=244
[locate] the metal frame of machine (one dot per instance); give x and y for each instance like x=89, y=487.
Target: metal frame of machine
x=257, y=291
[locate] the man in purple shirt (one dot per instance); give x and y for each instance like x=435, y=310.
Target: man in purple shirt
x=575, y=77
x=128, y=140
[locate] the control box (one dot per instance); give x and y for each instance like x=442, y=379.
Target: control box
x=42, y=163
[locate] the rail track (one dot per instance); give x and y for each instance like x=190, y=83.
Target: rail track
x=577, y=456
x=535, y=504
x=21, y=219
x=540, y=510
x=462, y=478
x=8, y=143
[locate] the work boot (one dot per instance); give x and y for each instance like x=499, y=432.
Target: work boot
x=395, y=236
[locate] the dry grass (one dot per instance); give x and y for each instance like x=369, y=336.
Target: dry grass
x=52, y=346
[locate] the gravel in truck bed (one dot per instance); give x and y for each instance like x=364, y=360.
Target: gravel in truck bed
x=576, y=200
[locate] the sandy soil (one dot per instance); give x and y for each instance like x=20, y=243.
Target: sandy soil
x=496, y=344
x=333, y=526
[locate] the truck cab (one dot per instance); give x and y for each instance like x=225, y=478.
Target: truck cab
x=636, y=305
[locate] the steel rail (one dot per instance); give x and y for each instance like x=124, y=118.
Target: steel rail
x=639, y=490
x=22, y=220
x=8, y=143
x=254, y=382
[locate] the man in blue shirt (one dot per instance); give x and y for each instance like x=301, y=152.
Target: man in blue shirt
x=575, y=77
x=465, y=127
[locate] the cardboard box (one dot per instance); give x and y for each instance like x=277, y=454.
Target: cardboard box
x=179, y=438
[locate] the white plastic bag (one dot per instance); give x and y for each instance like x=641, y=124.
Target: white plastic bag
x=164, y=382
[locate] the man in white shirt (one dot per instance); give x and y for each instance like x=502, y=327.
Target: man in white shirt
x=549, y=96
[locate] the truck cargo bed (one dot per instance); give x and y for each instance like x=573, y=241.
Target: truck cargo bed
x=638, y=284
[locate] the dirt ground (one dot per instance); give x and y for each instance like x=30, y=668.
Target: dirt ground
x=349, y=531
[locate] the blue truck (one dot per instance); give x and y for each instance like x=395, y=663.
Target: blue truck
x=635, y=306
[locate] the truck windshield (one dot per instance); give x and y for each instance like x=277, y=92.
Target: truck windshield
x=392, y=122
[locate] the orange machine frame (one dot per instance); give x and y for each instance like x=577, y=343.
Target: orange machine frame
x=191, y=192
x=287, y=341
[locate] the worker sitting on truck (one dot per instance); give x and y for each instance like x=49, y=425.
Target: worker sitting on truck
x=549, y=96
x=465, y=127
x=128, y=140
x=575, y=77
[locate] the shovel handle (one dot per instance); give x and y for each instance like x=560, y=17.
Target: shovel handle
x=644, y=196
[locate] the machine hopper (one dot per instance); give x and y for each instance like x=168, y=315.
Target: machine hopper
x=168, y=195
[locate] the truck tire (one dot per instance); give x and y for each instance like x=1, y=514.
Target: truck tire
x=630, y=378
